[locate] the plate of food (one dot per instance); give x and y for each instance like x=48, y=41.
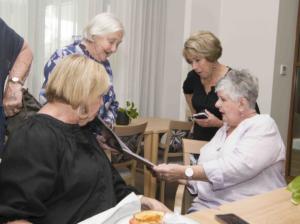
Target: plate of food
x=156, y=217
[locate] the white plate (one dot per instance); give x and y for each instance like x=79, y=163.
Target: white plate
x=171, y=217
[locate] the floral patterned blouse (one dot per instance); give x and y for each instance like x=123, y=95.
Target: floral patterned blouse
x=108, y=111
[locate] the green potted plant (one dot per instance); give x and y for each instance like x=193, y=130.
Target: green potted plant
x=294, y=187
x=125, y=114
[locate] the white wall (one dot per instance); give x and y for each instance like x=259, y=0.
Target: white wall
x=173, y=60
x=284, y=54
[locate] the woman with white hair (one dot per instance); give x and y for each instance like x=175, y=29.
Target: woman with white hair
x=245, y=157
x=101, y=38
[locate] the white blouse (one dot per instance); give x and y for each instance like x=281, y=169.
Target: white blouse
x=248, y=162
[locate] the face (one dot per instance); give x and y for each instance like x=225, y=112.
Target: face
x=93, y=108
x=107, y=44
x=229, y=109
x=202, y=67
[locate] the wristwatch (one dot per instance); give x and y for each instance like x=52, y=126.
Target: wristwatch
x=189, y=172
x=15, y=79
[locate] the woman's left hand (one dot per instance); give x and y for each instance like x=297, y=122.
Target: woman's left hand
x=169, y=172
x=152, y=204
x=211, y=121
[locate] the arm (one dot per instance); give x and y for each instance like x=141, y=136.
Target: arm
x=108, y=112
x=176, y=173
x=19, y=222
x=188, y=98
x=120, y=187
x=12, y=100
x=259, y=148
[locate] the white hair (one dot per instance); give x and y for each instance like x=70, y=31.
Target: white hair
x=237, y=84
x=102, y=24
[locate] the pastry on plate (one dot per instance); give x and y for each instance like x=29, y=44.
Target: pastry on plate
x=147, y=217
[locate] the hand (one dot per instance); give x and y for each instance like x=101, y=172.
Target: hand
x=211, y=121
x=169, y=172
x=19, y=222
x=102, y=143
x=152, y=204
x=12, y=100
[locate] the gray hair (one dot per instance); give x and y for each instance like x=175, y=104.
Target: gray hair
x=102, y=24
x=237, y=84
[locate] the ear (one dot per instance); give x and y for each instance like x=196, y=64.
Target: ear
x=243, y=104
x=82, y=112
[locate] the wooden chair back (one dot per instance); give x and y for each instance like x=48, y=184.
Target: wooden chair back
x=183, y=199
x=177, y=131
x=135, y=134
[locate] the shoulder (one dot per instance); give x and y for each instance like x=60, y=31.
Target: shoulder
x=261, y=123
x=189, y=82
x=59, y=54
x=192, y=75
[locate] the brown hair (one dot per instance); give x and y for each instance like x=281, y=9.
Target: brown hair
x=202, y=44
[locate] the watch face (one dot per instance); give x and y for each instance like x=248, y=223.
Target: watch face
x=189, y=172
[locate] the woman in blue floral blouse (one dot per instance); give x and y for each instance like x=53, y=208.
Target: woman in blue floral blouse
x=101, y=38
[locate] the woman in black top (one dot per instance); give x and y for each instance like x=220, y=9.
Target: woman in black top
x=53, y=170
x=202, y=50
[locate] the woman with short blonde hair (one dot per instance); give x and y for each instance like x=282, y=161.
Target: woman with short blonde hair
x=202, y=44
x=76, y=84
x=63, y=175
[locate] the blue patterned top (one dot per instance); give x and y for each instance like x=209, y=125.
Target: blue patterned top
x=108, y=112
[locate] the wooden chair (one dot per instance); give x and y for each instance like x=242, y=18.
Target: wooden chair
x=183, y=198
x=132, y=136
x=172, y=147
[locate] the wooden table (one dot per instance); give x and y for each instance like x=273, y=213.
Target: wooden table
x=155, y=126
x=273, y=207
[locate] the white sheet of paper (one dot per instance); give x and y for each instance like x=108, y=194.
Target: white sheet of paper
x=128, y=206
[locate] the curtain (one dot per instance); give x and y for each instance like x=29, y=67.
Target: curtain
x=138, y=64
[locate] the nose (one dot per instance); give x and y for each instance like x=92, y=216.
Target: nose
x=114, y=48
x=218, y=104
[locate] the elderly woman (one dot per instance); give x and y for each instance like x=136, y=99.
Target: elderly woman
x=101, y=38
x=246, y=156
x=52, y=170
x=202, y=50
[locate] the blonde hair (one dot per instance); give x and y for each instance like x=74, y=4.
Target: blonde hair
x=75, y=80
x=102, y=24
x=202, y=44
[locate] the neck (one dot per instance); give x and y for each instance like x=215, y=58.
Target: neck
x=249, y=113
x=90, y=47
x=245, y=115
x=217, y=72
x=61, y=111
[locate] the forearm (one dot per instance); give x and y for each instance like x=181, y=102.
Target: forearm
x=19, y=222
x=198, y=173
x=22, y=64
x=188, y=98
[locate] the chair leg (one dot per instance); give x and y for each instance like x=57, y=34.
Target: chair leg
x=162, y=191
